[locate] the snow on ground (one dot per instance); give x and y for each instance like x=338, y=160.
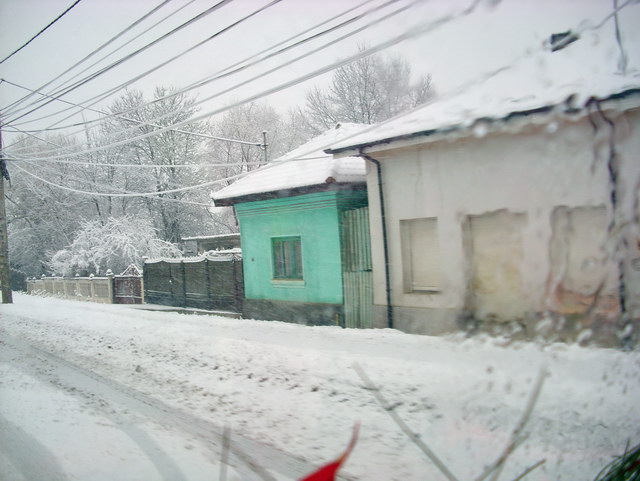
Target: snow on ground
x=49, y=434
x=294, y=387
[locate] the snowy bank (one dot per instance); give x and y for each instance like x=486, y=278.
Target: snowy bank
x=294, y=387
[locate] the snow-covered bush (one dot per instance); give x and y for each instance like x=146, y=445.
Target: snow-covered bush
x=113, y=245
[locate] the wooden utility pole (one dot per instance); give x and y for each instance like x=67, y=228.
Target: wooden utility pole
x=5, y=275
x=264, y=146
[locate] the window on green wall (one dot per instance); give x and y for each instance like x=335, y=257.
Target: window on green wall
x=287, y=257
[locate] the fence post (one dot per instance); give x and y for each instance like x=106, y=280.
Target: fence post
x=206, y=267
x=92, y=288
x=65, y=289
x=238, y=284
x=110, y=290
x=184, y=284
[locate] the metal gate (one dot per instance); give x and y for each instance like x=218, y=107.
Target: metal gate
x=127, y=289
x=356, y=268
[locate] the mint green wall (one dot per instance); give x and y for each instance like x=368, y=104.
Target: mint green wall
x=313, y=217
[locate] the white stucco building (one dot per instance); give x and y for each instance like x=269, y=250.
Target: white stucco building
x=508, y=206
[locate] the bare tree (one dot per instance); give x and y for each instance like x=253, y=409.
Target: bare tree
x=366, y=91
x=171, y=215
x=246, y=123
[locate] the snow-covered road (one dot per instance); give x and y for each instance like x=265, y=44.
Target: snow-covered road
x=147, y=394
x=91, y=427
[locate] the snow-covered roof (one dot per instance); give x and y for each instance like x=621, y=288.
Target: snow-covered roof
x=209, y=237
x=486, y=102
x=534, y=82
x=304, y=166
x=221, y=255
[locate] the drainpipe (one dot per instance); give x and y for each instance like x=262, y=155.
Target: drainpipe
x=385, y=240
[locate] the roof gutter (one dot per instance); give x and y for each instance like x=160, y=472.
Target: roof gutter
x=385, y=240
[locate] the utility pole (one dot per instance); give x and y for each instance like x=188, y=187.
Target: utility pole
x=5, y=276
x=264, y=146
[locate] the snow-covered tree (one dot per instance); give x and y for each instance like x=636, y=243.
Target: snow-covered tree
x=172, y=213
x=40, y=216
x=366, y=91
x=114, y=245
x=246, y=123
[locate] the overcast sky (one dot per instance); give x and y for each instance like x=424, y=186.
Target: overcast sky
x=494, y=34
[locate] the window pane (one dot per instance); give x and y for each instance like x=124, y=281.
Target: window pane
x=287, y=258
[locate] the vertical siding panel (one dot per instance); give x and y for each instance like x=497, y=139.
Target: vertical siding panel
x=358, y=295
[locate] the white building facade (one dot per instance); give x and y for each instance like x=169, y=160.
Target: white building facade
x=525, y=222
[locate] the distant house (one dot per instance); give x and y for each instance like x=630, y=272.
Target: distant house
x=304, y=235
x=195, y=246
x=503, y=206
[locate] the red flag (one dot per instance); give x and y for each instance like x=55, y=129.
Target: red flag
x=328, y=472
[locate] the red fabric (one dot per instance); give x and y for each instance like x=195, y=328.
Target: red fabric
x=328, y=472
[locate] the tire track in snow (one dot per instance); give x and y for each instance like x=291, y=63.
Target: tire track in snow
x=247, y=455
x=27, y=455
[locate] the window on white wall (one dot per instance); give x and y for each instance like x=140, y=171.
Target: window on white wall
x=420, y=255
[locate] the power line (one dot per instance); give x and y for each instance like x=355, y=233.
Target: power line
x=101, y=47
x=162, y=64
x=133, y=39
x=222, y=73
x=411, y=33
x=135, y=53
x=92, y=183
x=197, y=134
x=120, y=191
x=129, y=194
x=136, y=166
x=40, y=32
x=219, y=74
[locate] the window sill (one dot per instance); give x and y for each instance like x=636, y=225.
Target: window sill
x=425, y=291
x=288, y=283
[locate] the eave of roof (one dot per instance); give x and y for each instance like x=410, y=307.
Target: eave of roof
x=292, y=192
x=566, y=106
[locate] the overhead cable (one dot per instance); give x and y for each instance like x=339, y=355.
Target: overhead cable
x=96, y=184
x=222, y=73
x=40, y=32
x=101, y=47
x=128, y=194
x=197, y=134
x=131, y=40
x=481, y=79
x=411, y=33
x=128, y=57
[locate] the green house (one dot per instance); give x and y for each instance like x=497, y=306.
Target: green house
x=304, y=231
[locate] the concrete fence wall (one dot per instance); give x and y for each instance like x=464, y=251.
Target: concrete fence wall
x=94, y=289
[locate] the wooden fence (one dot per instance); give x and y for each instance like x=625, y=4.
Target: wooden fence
x=121, y=289
x=203, y=282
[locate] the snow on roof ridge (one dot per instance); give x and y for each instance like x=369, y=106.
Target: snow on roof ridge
x=304, y=166
x=314, y=148
x=482, y=102
x=221, y=255
x=215, y=236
